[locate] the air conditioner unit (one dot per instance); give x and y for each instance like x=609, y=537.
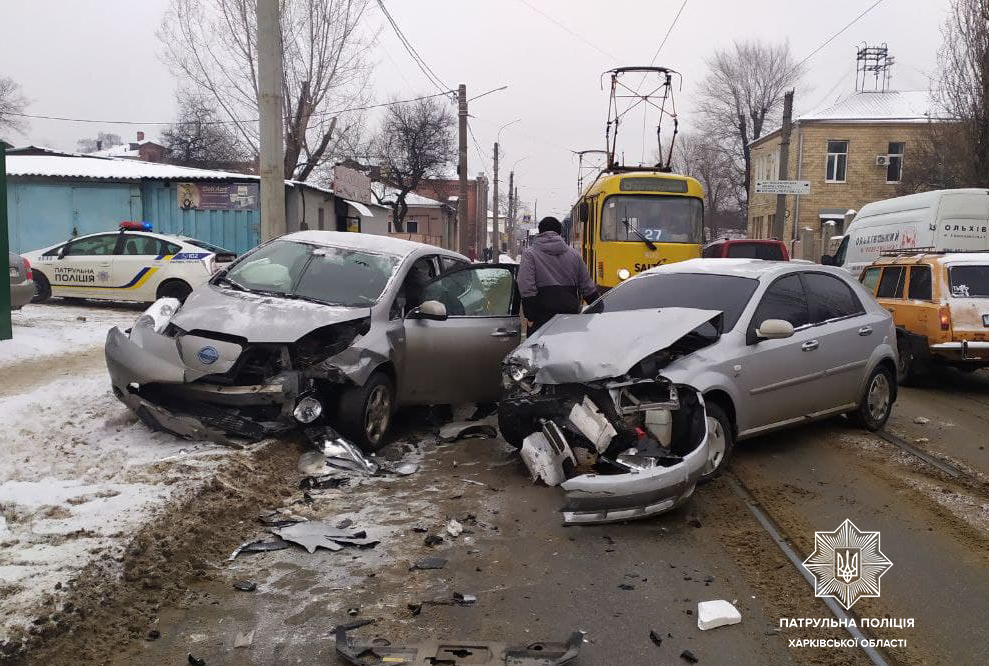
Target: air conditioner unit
x=882, y=160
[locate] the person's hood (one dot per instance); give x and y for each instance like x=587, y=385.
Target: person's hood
x=549, y=242
x=256, y=317
x=582, y=348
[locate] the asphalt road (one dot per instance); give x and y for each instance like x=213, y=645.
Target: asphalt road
x=536, y=580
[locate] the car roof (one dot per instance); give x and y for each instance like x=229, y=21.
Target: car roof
x=754, y=241
x=946, y=258
x=369, y=242
x=747, y=268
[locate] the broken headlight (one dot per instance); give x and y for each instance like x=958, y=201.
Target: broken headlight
x=328, y=341
x=308, y=409
x=158, y=315
x=514, y=374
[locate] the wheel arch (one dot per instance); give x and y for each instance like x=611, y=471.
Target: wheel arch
x=721, y=398
x=171, y=280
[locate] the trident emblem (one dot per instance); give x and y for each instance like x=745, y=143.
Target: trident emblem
x=846, y=564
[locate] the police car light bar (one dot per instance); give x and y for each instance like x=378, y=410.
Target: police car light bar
x=134, y=225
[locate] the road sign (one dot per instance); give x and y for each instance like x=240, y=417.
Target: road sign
x=782, y=187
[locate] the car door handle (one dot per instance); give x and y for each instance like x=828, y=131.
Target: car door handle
x=810, y=345
x=865, y=330
x=505, y=333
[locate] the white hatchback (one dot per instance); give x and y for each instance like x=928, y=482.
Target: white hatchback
x=126, y=265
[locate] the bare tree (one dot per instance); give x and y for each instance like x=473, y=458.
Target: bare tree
x=742, y=95
x=211, y=45
x=12, y=103
x=415, y=142
x=102, y=141
x=963, y=93
x=200, y=138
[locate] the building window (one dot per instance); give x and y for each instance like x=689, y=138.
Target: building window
x=894, y=170
x=412, y=225
x=837, y=161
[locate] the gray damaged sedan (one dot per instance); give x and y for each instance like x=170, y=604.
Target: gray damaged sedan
x=630, y=404
x=319, y=329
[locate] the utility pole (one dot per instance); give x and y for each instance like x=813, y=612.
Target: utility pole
x=272, y=158
x=6, y=328
x=495, y=236
x=511, y=214
x=779, y=222
x=462, y=168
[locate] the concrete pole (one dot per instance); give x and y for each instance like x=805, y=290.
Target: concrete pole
x=462, y=170
x=511, y=213
x=779, y=223
x=272, y=162
x=6, y=328
x=495, y=236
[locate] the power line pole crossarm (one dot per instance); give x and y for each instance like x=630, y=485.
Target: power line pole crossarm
x=272, y=148
x=779, y=221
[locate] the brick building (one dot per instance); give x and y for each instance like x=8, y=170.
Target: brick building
x=447, y=190
x=851, y=152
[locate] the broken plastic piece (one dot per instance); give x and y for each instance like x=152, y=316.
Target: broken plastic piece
x=454, y=528
x=544, y=453
x=196, y=661
x=339, y=452
x=430, y=562
x=257, y=547
x=718, y=613
x=455, y=653
x=592, y=424
x=464, y=599
x=356, y=624
x=451, y=432
x=688, y=656
x=322, y=534
x=245, y=585
x=655, y=637
x=402, y=468
x=244, y=640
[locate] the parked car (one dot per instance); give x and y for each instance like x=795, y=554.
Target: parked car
x=319, y=327
x=940, y=305
x=132, y=264
x=752, y=248
x=764, y=344
x=936, y=221
x=21, y=284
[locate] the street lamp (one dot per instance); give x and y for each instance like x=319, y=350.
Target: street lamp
x=495, y=236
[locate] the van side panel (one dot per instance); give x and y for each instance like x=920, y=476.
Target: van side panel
x=963, y=222
x=869, y=237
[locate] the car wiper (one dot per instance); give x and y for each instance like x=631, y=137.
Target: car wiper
x=311, y=299
x=635, y=230
x=234, y=285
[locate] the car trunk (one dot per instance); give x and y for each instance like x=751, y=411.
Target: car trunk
x=969, y=302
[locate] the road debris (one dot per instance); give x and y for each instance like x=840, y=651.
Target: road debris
x=655, y=637
x=356, y=624
x=401, y=469
x=717, y=613
x=196, y=661
x=260, y=546
x=245, y=585
x=323, y=534
x=429, y=562
x=455, y=653
x=432, y=540
x=454, y=528
x=921, y=420
x=689, y=657
x=338, y=452
x=244, y=640
x=458, y=430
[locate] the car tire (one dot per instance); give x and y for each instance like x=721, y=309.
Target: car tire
x=876, y=402
x=905, y=367
x=510, y=429
x=42, y=288
x=178, y=289
x=366, y=412
x=720, y=441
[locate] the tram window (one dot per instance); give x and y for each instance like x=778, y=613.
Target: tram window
x=656, y=218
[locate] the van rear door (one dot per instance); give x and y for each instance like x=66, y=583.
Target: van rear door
x=963, y=222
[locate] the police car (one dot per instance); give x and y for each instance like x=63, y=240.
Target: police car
x=132, y=264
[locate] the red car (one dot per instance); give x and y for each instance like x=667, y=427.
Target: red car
x=769, y=249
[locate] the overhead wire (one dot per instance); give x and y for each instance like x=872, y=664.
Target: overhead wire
x=222, y=122
x=835, y=35
x=430, y=75
x=663, y=43
x=568, y=30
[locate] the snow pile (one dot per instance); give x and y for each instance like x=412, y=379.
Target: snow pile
x=56, y=329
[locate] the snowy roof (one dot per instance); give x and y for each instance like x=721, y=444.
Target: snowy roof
x=359, y=241
x=385, y=192
x=894, y=106
x=126, y=149
x=56, y=166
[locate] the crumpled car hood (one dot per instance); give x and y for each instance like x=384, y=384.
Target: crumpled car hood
x=257, y=317
x=582, y=348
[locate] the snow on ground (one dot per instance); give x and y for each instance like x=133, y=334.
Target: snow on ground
x=56, y=329
x=78, y=472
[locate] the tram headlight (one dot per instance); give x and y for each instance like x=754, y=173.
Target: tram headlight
x=623, y=274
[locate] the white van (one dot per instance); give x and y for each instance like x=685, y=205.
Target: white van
x=938, y=221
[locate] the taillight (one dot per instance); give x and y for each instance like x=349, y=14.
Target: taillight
x=945, y=319
x=27, y=270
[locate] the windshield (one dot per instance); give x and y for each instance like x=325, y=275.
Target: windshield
x=663, y=219
x=703, y=291
x=332, y=275
x=969, y=281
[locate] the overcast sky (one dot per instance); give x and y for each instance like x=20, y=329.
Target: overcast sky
x=101, y=60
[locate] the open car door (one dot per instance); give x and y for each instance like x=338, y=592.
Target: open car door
x=456, y=339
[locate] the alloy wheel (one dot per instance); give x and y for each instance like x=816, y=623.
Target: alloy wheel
x=377, y=414
x=716, y=445
x=879, y=394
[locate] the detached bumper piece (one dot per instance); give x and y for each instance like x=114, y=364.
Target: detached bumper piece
x=456, y=653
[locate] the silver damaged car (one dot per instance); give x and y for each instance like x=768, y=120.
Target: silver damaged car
x=319, y=328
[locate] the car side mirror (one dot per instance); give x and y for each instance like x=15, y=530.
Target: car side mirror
x=827, y=260
x=433, y=310
x=774, y=329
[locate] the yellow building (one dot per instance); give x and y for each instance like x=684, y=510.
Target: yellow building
x=852, y=153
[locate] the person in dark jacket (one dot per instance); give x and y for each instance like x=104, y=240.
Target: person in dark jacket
x=552, y=277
